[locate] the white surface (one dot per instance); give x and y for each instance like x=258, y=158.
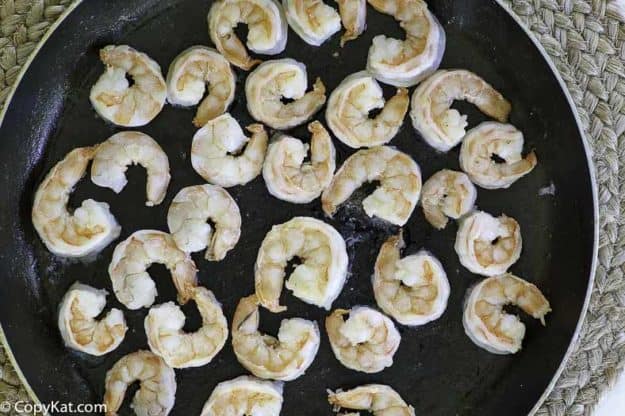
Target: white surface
x=613, y=403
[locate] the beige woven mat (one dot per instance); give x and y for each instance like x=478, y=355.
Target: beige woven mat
x=586, y=40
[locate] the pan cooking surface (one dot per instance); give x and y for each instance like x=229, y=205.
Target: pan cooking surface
x=437, y=368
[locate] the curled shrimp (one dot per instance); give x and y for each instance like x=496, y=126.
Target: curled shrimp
x=487, y=245
x=275, y=80
x=132, y=284
x=405, y=63
x=291, y=179
x=89, y=229
x=313, y=20
x=320, y=276
x=267, y=29
x=224, y=156
x=121, y=103
x=488, y=325
x=196, y=70
x=349, y=106
x=366, y=341
x=495, y=139
x=441, y=126
x=187, y=221
x=414, y=290
x=157, y=391
x=286, y=357
x=166, y=338
x=245, y=396
x=128, y=148
x=354, y=18
x=79, y=328
x=379, y=399
x=398, y=192
x=445, y=194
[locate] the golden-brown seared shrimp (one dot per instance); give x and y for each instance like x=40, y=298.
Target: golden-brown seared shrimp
x=245, y=396
x=291, y=179
x=399, y=190
x=313, y=20
x=488, y=325
x=441, y=126
x=196, y=70
x=284, y=358
x=378, y=399
x=445, y=194
x=115, y=100
x=133, y=285
x=354, y=18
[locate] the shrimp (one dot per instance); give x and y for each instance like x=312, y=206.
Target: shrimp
x=166, y=338
x=349, y=106
x=274, y=80
x=379, y=399
x=157, y=391
x=414, y=290
x=487, y=245
x=398, y=192
x=218, y=154
x=243, y=396
x=127, y=148
x=486, y=322
x=489, y=139
x=132, y=284
x=267, y=29
x=291, y=179
x=354, y=18
x=447, y=194
x=443, y=127
x=79, y=328
x=313, y=20
x=187, y=221
x=196, y=70
x=320, y=276
x=121, y=103
x=89, y=229
x=405, y=63
x=366, y=341
x=284, y=358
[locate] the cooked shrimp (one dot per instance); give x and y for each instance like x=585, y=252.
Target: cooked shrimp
x=291, y=179
x=405, y=63
x=313, y=20
x=121, y=103
x=487, y=245
x=129, y=148
x=320, y=276
x=89, y=229
x=399, y=190
x=414, y=290
x=166, y=338
x=157, y=391
x=354, y=18
x=443, y=127
x=133, y=285
x=218, y=154
x=447, y=194
x=187, y=221
x=196, y=70
x=267, y=29
x=275, y=80
x=245, y=396
x=378, y=399
x=495, y=139
x=366, y=341
x=486, y=322
x=79, y=328
x=284, y=358
x=349, y=106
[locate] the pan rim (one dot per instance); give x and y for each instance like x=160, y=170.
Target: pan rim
x=587, y=151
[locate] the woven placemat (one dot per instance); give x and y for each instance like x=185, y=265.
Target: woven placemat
x=586, y=41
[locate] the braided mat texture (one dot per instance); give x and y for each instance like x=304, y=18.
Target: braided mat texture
x=586, y=41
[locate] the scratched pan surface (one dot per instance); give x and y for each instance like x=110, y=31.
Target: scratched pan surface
x=437, y=368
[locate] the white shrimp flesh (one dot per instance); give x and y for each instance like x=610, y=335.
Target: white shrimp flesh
x=245, y=396
x=379, y=399
x=447, y=194
x=313, y=20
